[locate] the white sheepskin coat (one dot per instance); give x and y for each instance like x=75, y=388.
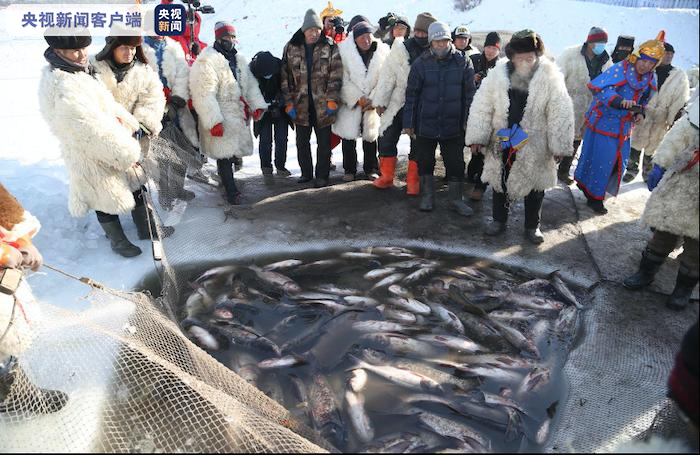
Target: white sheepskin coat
x=390, y=91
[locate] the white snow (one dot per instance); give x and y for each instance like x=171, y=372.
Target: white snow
x=31, y=165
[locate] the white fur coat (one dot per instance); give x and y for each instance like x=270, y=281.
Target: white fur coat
x=661, y=112
x=177, y=72
x=390, y=91
x=358, y=81
x=573, y=66
x=96, y=136
x=548, y=120
x=216, y=96
x=141, y=93
x=673, y=205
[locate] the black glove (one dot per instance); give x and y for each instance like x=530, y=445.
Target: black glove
x=196, y=49
x=177, y=102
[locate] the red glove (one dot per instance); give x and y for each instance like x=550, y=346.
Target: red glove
x=166, y=90
x=257, y=115
x=246, y=109
x=189, y=104
x=217, y=130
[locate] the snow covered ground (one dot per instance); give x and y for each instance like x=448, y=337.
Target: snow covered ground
x=30, y=162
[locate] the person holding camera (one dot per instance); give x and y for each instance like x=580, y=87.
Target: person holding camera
x=192, y=26
x=389, y=97
x=225, y=95
x=393, y=26
x=620, y=95
x=333, y=24
x=267, y=69
x=312, y=75
x=19, y=311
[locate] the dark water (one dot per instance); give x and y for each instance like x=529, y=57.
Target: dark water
x=326, y=339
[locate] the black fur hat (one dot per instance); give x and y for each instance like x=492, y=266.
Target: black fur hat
x=113, y=42
x=525, y=41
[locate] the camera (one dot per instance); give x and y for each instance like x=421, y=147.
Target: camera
x=338, y=25
x=636, y=109
x=387, y=21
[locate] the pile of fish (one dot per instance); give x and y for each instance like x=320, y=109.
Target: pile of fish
x=386, y=349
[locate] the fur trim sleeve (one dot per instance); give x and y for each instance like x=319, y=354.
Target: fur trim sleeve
x=676, y=141
x=150, y=106
x=560, y=116
x=381, y=95
x=250, y=87
x=204, y=84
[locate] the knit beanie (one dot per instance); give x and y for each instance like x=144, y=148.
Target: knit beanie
x=311, y=20
x=223, y=28
x=438, y=31
x=597, y=35
x=423, y=21
x=493, y=39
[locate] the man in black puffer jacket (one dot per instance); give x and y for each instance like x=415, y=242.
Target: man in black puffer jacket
x=438, y=96
x=267, y=70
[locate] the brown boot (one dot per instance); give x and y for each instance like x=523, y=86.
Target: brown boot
x=412, y=179
x=387, y=168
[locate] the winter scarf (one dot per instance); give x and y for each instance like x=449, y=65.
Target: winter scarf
x=120, y=69
x=595, y=65
x=662, y=73
x=230, y=56
x=159, y=47
x=58, y=62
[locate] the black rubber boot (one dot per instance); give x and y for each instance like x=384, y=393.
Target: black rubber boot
x=26, y=398
x=427, y=192
x=564, y=168
x=118, y=241
x=647, y=166
x=495, y=228
x=534, y=235
x=141, y=219
x=455, y=192
x=645, y=275
x=632, y=166
x=680, y=298
x=597, y=206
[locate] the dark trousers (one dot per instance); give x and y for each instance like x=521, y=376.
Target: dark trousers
x=388, y=141
x=369, y=163
x=323, y=151
x=103, y=217
x=225, y=169
x=281, y=129
x=452, y=151
x=533, y=208
x=567, y=161
x=663, y=243
x=474, y=170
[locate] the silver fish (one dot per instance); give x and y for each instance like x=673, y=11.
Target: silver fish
x=198, y=302
x=517, y=339
x=405, y=317
x=397, y=443
x=358, y=255
x=281, y=362
x=498, y=361
x=540, y=331
x=246, y=337
x=563, y=290
x=401, y=344
x=246, y=367
x=567, y=324
x=447, y=317
x=529, y=301
x=355, y=407
x=457, y=343
x=441, y=284
x=536, y=379
x=388, y=281
x=400, y=376
x=330, y=304
x=504, y=315
x=312, y=296
x=204, y=339
x=537, y=285
x=357, y=380
x=319, y=266
x=360, y=301
x=387, y=250
x=332, y=289
x=324, y=411
x=400, y=291
x=282, y=265
x=218, y=274
x=481, y=371
x=379, y=326
x=419, y=275
x=467, y=272
x=277, y=280
x=377, y=274
x=449, y=428
x=411, y=264
x=301, y=397
x=481, y=396
x=412, y=305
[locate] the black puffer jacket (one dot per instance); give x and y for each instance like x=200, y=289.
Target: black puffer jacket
x=438, y=95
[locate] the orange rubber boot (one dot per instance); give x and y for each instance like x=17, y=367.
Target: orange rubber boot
x=412, y=179
x=387, y=167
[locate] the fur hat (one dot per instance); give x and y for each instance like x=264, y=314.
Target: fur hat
x=113, y=42
x=78, y=41
x=423, y=21
x=525, y=41
x=311, y=20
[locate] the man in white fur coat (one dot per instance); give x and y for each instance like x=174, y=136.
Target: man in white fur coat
x=96, y=135
x=580, y=65
x=672, y=209
x=122, y=67
x=225, y=95
x=363, y=57
x=389, y=98
x=522, y=119
x=661, y=112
